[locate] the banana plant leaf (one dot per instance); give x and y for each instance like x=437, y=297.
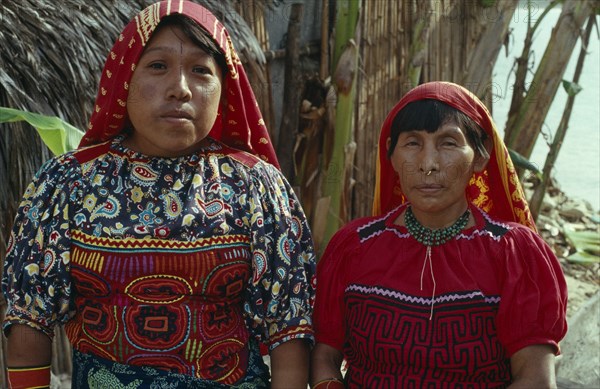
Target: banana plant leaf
x=57, y=134
x=586, y=243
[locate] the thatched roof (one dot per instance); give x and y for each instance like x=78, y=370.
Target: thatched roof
x=50, y=63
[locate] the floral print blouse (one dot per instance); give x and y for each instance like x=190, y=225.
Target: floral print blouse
x=107, y=235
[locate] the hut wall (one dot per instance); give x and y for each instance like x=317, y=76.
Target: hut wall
x=386, y=36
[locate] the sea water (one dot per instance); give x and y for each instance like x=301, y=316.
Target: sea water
x=577, y=168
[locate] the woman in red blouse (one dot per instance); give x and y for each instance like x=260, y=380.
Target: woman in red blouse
x=448, y=285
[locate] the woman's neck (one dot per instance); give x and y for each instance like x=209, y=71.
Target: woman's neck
x=439, y=219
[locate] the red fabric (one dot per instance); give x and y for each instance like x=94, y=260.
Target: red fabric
x=240, y=126
x=156, y=313
x=370, y=304
x=30, y=378
x=496, y=190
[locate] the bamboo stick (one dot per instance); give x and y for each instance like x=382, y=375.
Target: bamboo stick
x=532, y=112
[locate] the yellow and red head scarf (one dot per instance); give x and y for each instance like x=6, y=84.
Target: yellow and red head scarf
x=496, y=190
x=240, y=125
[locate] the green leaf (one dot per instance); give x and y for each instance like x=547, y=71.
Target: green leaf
x=583, y=257
x=57, y=134
x=522, y=162
x=586, y=243
x=572, y=88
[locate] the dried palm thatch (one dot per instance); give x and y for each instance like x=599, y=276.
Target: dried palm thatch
x=50, y=63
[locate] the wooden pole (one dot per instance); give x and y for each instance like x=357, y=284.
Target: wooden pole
x=324, y=70
x=291, y=94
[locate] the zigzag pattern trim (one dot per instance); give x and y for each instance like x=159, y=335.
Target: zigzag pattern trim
x=156, y=245
x=422, y=300
x=494, y=222
x=476, y=233
x=371, y=229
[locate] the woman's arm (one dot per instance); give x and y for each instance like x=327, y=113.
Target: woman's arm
x=27, y=347
x=29, y=354
x=289, y=365
x=533, y=367
x=325, y=363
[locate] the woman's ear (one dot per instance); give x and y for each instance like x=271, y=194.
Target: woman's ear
x=388, y=142
x=481, y=161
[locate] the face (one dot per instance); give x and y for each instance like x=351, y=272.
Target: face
x=438, y=197
x=174, y=96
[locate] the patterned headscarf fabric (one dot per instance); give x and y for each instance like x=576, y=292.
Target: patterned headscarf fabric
x=496, y=190
x=240, y=126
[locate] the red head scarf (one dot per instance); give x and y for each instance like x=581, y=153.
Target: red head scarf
x=496, y=190
x=240, y=126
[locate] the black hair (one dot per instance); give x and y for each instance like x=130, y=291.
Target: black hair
x=428, y=115
x=198, y=35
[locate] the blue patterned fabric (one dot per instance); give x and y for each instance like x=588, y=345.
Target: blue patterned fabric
x=91, y=372
x=119, y=246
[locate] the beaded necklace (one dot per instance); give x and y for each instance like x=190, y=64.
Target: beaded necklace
x=429, y=237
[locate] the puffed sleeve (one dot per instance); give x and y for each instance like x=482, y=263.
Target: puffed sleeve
x=282, y=288
x=36, y=281
x=533, y=293
x=332, y=278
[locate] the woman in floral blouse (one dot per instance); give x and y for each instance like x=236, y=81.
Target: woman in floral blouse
x=169, y=244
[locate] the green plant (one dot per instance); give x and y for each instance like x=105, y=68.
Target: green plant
x=57, y=134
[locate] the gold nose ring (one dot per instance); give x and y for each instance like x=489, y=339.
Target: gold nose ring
x=429, y=173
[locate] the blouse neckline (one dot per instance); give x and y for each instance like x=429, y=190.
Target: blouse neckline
x=393, y=215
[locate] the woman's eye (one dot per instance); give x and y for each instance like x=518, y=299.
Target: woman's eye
x=201, y=70
x=157, y=65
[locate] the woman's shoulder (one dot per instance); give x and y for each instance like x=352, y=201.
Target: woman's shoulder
x=243, y=158
x=61, y=166
x=244, y=163
x=359, y=228
x=89, y=153
x=502, y=230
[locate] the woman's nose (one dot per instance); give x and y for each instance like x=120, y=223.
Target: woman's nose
x=429, y=159
x=179, y=87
